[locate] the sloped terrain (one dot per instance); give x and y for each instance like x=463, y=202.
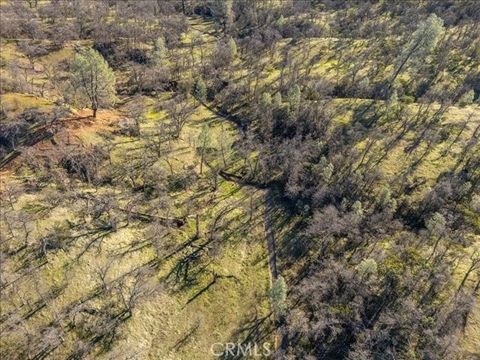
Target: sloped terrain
x=300, y=175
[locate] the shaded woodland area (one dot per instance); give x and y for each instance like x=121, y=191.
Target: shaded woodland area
x=181, y=173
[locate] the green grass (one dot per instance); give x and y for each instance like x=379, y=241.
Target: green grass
x=166, y=325
x=160, y=322
x=15, y=103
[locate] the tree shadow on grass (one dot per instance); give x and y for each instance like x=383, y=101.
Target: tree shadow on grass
x=187, y=337
x=250, y=338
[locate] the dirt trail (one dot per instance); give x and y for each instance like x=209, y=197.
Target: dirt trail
x=270, y=236
x=281, y=341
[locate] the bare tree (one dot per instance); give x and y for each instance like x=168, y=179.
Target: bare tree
x=179, y=111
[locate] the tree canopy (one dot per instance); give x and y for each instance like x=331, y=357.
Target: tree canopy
x=92, y=79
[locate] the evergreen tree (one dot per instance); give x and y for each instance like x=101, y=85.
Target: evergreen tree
x=278, y=296
x=159, y=51
x=277, y=100
x=200, y=90
x=232, y=48
x=92, y=79
x=422, y=42
x=294, y=96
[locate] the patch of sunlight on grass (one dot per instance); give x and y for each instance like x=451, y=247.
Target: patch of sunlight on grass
x=55, y=57
x=16, y=103
x=89, y=137
x=9, y=51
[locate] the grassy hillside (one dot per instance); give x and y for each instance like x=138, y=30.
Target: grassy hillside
x=298, y=174
x=201, y=294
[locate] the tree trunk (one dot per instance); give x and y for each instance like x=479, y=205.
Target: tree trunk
x=94, y=112
x=197, y=226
